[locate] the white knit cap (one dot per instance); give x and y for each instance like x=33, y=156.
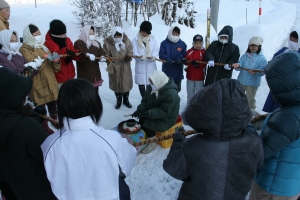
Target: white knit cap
x=4, y=4
x=256, y=40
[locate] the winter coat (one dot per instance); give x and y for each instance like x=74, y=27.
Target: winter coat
x=144, y=68
x=195, y=73
x=21, y=158
x=16, y=64
x=284, y=49
x=121, y=79
x=173, y=51
x=219, y=53
x=86, y=68
x=4, y=24
x=162, y=110
x=45, y=87
x=251, y=61
x=222, y=161
x=83, y=162
x=67, y=70
x=280, y=174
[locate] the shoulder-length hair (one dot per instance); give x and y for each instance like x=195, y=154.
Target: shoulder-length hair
x=78, y=98
x=258, y=51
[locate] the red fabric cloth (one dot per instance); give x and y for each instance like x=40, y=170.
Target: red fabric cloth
x=193, y=73
x=67, y=70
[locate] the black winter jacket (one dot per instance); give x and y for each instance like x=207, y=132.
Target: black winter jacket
x=228, y=53
x=21, y=158
x=220, y=163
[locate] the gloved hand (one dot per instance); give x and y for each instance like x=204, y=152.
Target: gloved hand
x=38, y=61
x=135, y=114
x=177, y=61
x=227, y=67
x=211, y=63
x=178, y=134
x=31, y=64
x=169, y=61
x=70, y=53
x=144, y=114
x=127, y=58
x=91, y=56
x=48, y=56
x=153, y=58
x=143, y=57
x=184, y=61
x=195, y=64
x=40, y=110
x=56, y=57
x=102, y=59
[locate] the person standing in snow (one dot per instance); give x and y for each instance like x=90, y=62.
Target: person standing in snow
x=144, y=44
x=194, y=71
x=88, y=67
x=279, y=177
x=159, y=107
x=120, y=81
x=173, y=50
x=252, y=59
x=220, y=163
x=221, y=51
x=4, y=15
x=293, y=45
x=83, y=160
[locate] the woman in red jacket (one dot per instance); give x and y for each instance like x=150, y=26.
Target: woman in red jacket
x=194, y=71
x=57, y=41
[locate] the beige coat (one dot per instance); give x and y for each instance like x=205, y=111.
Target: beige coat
x=121, y=79
x=45, y=87
x=4, y=24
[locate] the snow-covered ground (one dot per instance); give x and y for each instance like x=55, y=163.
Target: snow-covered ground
x=148, y=181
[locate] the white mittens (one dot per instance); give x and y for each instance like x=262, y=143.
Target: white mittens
x=143, y=57
x=227, y=67
x=38, y=61
x=91, y=56
x=31, y=64
x=153, y=58
x=102, y=59
x=211, y=63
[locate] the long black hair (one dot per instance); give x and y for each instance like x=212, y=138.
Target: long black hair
x=78, y=98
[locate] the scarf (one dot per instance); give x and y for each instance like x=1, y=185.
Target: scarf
x=171, y=37
x=144, y=40
x=85, y=37
x=117, y=42
x=159, y=79
x=29, y=40
x=5, y=36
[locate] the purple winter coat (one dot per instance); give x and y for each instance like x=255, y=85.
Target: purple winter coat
x=16, y=64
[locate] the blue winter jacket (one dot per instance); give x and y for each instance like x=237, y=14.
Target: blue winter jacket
x=251, y=61
x=173, y=51
x=280, y=173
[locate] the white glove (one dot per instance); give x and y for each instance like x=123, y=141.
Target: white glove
x=1, y=66
x=227, y=67
x=211, y=63
x=31, y=64
x=38, y=61
x=153, y=58
x=91, y=56
x=102, y=59
x=143, y=57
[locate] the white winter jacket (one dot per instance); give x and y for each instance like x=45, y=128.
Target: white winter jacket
x=144, y=68
x=82, y=163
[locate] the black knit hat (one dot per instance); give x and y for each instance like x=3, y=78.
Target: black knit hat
x=197, y=38
x=294, y=34
x=33, y=28
x=146, y=26
x=57, y=27
x=13, y=88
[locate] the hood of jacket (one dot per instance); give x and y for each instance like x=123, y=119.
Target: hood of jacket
x=282, y=74
x=111, y=41
x=227, y=30
x=219, y=111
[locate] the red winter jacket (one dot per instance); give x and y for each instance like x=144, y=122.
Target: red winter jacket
x=193, y=73
x=67, y=71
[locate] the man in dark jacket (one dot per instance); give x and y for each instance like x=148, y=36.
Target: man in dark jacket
x=159, y=108
x=173, y=50
x=221, y=51
x=21, y=158
x=220, y=163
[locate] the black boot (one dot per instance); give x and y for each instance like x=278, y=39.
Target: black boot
x=142, y=90
x=119, y=100
x=125, y=100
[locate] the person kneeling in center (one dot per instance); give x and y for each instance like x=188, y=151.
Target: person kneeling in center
x=159, y=107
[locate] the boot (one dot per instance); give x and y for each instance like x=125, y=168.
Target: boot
x=46, y=127
x=54, y=116
x=150, y=147
x=119, y=100
x=142, y=90
x=125, y=100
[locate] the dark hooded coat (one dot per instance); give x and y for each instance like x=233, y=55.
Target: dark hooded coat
x=228, y=53
x=220, y=163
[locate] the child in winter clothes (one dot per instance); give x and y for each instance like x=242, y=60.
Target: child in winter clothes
x=145, y=45
x=173, y=50
x=252, y=59
x=194, y=71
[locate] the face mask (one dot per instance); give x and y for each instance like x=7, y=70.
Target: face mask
x=153, y=87
x=293, y=45
x=38, y=38
x=174, y=38
x=13, y=46
x=118, y=40
x=92, y=37
x=223, y=41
